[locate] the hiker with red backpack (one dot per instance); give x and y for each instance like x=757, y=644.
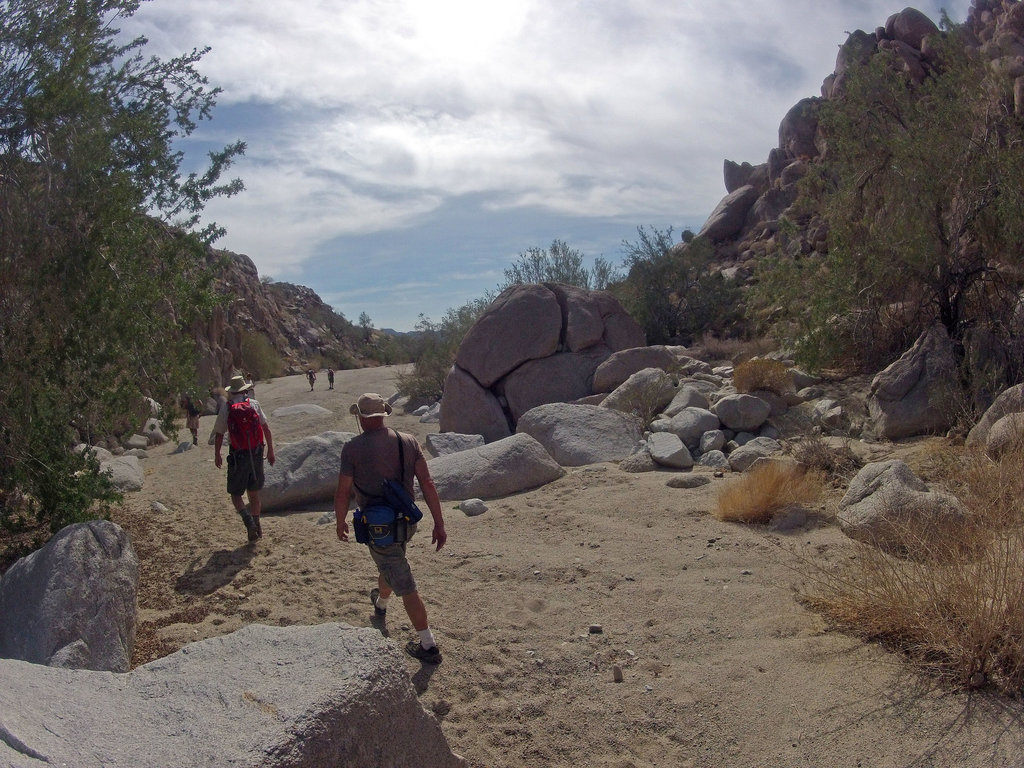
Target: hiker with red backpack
x=242, y=419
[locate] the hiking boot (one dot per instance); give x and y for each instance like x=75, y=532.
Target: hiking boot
x=259, y=528
x=378, y=613
x=426, y=655
x=250, y=524
x=195, y=441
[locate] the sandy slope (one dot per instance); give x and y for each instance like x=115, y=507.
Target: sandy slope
x=720, y=664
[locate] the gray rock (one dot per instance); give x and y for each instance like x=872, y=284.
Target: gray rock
x=729, y=215
x=689, y=395
x=154, y=434
x=714, y=459
x=1010, y=400
x=743, y=413
x=914, y=395
x=473, y=507
x=443, y=443
x=72, y=603
x=137, y=441
x=688, y=481
x=468, y=408
x=886, y=501
x=640, y=461
x=184, y=445
x=688, y=425
x=125, y=473
x=523, y=323
x=304, y=472
x=712, y=440
x=98, y=453
x=1006, y=434
x=741, y=458
x=559, y=378
x=576, y=435
x=624, y=363
x=302, y=697
x=302, y=409
x=432, y=415
x=645, y=392
x=514, y=464
x=668, y=450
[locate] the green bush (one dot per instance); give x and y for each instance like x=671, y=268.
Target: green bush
x=259, y=357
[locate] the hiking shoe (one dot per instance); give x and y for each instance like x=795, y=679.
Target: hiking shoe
x=250, y=524
x=195, y=441
x=259, y=528
x=379, y=613
x=426, y=655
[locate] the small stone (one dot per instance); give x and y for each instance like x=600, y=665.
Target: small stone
x=746, y=572
x=596, y=629
x=617, y=674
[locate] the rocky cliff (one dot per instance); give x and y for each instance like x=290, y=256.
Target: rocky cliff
x=292, y=319
x=746, y=223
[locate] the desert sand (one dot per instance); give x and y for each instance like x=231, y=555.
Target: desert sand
x=536, y=602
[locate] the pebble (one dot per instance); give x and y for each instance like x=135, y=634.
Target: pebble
x=596, y=629
x=617, y=674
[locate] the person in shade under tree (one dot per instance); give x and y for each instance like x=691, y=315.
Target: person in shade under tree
x=366, y=461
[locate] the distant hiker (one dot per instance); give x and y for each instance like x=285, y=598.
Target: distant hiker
x=191, y=416
x=312, y=378
x=366, y=461
x=330, y=378
x=242, y=419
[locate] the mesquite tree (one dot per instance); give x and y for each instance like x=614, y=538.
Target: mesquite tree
x=98, y=243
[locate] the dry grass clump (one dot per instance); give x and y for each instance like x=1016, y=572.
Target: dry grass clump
x=761, y=373
x=957, y=610
x=765, y=490
x=837, y=463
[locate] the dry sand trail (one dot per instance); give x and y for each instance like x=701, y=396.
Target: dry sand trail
x=721, y=666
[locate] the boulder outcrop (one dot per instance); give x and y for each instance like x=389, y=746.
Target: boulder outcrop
x=72, y=603
x=535, y=344
x=304, y=472
x=513, y=464
x=914, y=395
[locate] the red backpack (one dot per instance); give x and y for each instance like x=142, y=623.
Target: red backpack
x=244, y=426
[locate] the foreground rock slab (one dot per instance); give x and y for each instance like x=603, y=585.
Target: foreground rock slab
x=263, y=696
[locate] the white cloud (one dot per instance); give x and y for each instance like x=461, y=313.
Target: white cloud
x=367, y=115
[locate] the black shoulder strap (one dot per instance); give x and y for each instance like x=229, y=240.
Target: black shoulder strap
x=401, y=459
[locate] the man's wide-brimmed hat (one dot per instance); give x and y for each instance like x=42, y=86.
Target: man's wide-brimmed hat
x=369, y=405
x=238, y=384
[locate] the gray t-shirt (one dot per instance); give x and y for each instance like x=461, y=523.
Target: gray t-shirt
x=372, y=457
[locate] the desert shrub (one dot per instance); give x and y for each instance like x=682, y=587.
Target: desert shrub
x=763, y=374
x=765, y=490
x=957, y=609
x=259, y=357
x=837, y=463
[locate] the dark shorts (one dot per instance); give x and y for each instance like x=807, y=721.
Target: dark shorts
x=245, y=471
x=394, y=567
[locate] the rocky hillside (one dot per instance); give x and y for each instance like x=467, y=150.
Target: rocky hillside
x=292, y=319
x=746, y=223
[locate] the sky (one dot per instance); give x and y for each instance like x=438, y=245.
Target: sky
x=401, y=154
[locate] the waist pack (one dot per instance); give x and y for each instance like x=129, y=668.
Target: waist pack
x=381, y=526
x=391, y=522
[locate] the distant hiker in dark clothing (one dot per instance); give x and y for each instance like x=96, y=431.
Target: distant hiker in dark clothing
x=191, y=416
x=312, y=378
x=330, y=378
x=242, y=419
